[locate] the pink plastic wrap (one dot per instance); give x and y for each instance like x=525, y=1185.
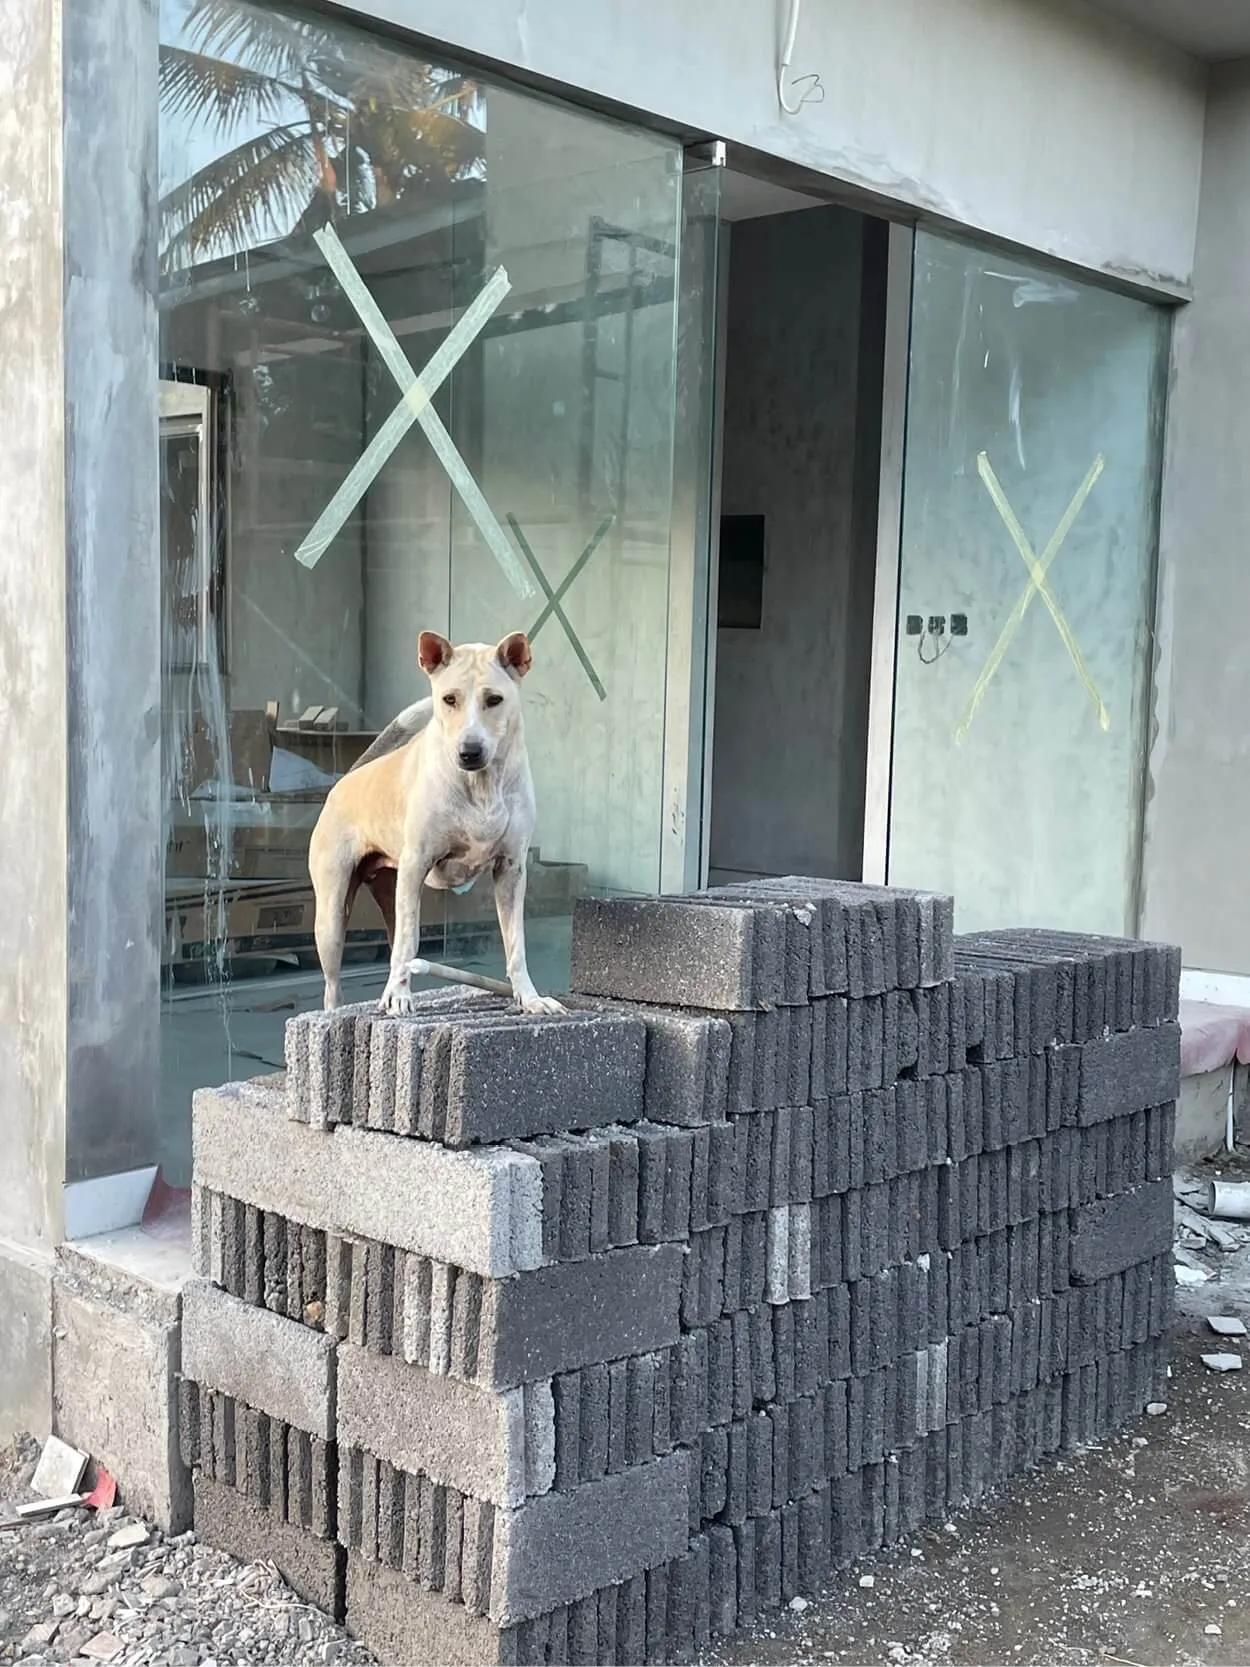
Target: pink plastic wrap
x=1213, y=1036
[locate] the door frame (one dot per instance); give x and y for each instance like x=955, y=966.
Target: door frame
x=690, y=659
x=900, y=265
x=692, y=638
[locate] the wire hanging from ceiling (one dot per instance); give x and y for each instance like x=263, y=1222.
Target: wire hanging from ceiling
x=813, y=90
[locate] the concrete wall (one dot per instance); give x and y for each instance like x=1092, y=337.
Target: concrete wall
x=792, y=697
x=32, y=707
x=1051, y=125
x=1199, y=788
x=113, y=578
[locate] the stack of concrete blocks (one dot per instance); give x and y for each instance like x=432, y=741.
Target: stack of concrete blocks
x=590, y=1339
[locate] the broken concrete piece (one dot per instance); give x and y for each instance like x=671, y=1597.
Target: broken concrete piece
x=1156, y=1409
x=1187, y=1275
x=1226, y=1325
x=49, y=1507
x=105, y=1646
x=60, y=1469
x=1222, y=1362
x=134, y=1533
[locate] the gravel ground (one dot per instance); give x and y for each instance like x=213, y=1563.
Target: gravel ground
x=69, y=1592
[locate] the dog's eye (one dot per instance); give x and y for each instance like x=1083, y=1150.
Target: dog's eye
x=449, y=700
x=493, y=700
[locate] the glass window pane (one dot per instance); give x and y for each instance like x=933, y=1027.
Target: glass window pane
x=1031, y=472
x=332, y=207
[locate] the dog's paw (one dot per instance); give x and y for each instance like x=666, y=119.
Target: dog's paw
x=395, y=999
x=534, y=1003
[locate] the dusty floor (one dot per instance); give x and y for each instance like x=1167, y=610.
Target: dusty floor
x=1127, y=1554
x=1130, y=1554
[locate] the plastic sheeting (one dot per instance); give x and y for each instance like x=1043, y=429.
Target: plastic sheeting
x=1213, y=1036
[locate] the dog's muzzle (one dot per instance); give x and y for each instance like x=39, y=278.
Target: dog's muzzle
x=471, y=758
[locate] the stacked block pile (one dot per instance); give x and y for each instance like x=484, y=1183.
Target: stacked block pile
x=590, y=1338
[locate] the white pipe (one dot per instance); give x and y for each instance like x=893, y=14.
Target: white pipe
x=1230, y=1200
x=453, y=975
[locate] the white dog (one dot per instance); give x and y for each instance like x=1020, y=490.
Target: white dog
x=435, y=808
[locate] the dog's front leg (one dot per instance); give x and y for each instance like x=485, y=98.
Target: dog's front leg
x=510, y=907
x=397, y=996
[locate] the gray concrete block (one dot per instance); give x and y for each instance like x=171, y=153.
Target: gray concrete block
x=575, y=1200
x=655, y=1190
x=400, y=1621
x=768, y=1563
x=563, y=1547
x=479, y=1209
x=274, y=1364
x=593, y=1432
x=759, y=1464
x=1128, y=1073
x=603, y=1308
x=687, y=1066
x=312, y=1567
x=1113, y=1234
x=725, y=1173
x=754, y=1271
x=623, y=1182
x=600, y=1156
x=671, y=952
x=477, y=1441
x=722, y=1582
x=512, y=1077
x=631, y=1623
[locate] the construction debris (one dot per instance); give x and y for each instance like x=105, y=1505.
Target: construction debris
x=1226, y=1325
x=1222, y=1362
x=60, y=1469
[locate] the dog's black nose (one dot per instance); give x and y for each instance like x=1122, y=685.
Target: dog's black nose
x=472, y=758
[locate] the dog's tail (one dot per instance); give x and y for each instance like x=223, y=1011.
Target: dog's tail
x=398, y=732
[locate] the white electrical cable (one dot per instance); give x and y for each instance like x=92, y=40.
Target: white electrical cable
x=813, y=88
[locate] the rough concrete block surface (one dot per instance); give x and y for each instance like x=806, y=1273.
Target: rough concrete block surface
x=496, y=1445
x=606, y=1307
x=519, y=1076
x=114, y=1361
x=403, y=1623
x=562, y=1547
x=276, y=1365
x=478, y=1209
x=1113, y=1234
x=1129, y=1072
x=665, y=951
x=312, y=1567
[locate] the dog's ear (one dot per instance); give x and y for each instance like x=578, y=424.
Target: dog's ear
x=433, y=651
x=514, y=654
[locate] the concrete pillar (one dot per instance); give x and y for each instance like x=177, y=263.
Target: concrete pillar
x=1198, y=794
x=80, y=847
x=33, y=699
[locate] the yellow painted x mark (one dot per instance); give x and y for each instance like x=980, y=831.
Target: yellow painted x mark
x=1038, y=585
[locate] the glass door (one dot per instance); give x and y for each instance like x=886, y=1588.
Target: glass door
x=1026, y=591
x=440, y=321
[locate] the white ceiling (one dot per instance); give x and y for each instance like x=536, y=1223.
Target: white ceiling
x=742, y=197
x=1211, y=29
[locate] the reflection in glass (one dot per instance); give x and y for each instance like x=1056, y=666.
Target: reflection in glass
x=558, y=418
x=1031, y=475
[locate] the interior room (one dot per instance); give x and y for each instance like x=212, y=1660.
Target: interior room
x=804, y=333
